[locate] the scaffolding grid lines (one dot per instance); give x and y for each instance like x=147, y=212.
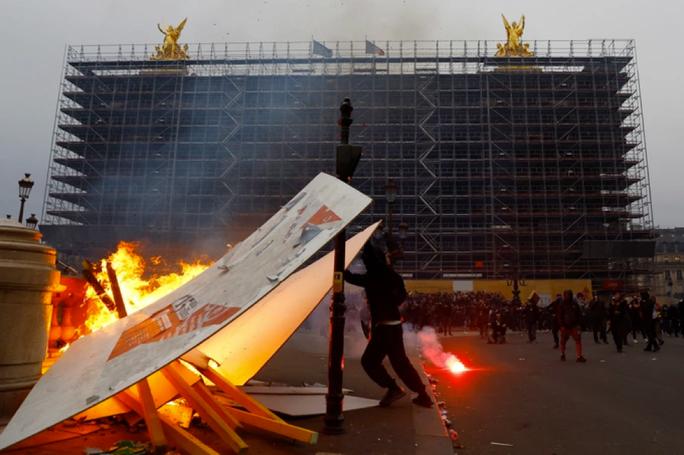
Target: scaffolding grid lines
x=504, y=165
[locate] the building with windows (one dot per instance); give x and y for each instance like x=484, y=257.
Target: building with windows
x=531, y=166
x=668, y=276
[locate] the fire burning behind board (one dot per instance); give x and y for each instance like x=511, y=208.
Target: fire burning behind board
x=140, y=285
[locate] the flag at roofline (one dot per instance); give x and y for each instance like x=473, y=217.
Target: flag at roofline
x=371, y=48
x=320, y=49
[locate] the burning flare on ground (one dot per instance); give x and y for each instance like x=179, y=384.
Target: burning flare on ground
x=137, y=290
x=432, y=349
x=455, y=365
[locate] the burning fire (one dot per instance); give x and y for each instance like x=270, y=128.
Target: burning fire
x=455, y=365
x=136, y=290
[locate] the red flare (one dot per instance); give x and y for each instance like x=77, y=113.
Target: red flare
x=455, y=365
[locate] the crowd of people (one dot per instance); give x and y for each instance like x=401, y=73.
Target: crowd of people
x=625, y=317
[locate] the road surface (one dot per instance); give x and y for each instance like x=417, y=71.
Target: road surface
x=521, y=395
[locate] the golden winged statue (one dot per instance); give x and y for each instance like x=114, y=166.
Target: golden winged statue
x=514, y=47
x=170, y=49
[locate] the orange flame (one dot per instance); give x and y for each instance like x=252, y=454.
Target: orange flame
x=136, y=290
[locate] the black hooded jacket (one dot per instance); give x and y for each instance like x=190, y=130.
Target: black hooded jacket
x=384, y=287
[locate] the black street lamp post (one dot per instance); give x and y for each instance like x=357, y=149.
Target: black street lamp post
x=391, y=195
x=32, y=221
x=348, y=157
x=25, y=186
x=515, y=282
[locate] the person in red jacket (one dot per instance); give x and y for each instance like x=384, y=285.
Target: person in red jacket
x=569, y=318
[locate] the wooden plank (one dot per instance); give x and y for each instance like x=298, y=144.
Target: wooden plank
x=278, y=427
x=150, y=415
x=221, y=426
x=236, y=394
x=183, y=439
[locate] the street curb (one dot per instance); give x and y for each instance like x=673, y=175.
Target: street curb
x=431, y=437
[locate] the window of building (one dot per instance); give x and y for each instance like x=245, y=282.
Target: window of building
x=679, y=275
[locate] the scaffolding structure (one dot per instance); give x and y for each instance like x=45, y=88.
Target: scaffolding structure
x=504, y=166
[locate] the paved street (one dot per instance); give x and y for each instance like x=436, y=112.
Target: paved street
x=520, y=394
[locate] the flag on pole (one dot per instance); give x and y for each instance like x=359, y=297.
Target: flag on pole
x=373, y=49
x=320, y=49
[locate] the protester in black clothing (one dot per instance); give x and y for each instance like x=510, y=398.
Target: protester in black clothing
x=597, y=312
x=498, y=335
x=647, y=306
x=552, y=310
x=617, y=316
x=531, y=311
x=673, y=318
x=635, y=315
x=385, y=292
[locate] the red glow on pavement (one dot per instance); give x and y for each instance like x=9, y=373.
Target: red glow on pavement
x=455, y=365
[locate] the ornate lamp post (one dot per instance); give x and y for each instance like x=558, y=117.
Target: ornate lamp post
x=348, y=157
x=25, y=186
x=515, y=282
x=32, y=221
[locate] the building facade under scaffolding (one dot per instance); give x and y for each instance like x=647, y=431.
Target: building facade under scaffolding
x=531, y=166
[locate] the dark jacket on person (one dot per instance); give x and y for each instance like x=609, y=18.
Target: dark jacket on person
x=569, y=314
x=597, y=310
x=617, y=313
x=384, y=287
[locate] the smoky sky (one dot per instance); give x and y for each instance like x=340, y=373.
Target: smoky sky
x=34, y=33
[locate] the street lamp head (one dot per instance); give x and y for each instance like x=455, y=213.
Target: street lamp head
x=391, y=191
x=25, y=186
x=32, y=221
x=346, y=108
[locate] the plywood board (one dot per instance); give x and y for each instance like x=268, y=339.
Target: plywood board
x=242, y=348
x=110, y=360
x=309, y=405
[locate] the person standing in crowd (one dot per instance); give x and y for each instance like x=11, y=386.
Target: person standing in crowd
x=532, y=316
x=570, y=316
x=647, y=306
x=385, y=291
x=617, y=317
x=552, y=313
x=597, y=313
x=673, y=318
x=635, y=316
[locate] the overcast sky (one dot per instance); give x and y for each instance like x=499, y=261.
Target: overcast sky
x=34, y=32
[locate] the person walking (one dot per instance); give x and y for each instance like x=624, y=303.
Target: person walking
x=617, y=317
x=552, y=313
x=648, y=309
x=532, y=316
x=385, y=291
x=570, y=316
x=597, y=312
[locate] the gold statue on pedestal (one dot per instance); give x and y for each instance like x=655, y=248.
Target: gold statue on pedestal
x=170, y=49
x=514, y=47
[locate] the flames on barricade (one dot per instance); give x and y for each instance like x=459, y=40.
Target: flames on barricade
x=141, y=281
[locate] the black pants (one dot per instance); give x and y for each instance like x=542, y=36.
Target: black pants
x=554, y=331
x=599, y=329
x=532, y=330
x=388, y=340
x=618, y=331
x=650, y=328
